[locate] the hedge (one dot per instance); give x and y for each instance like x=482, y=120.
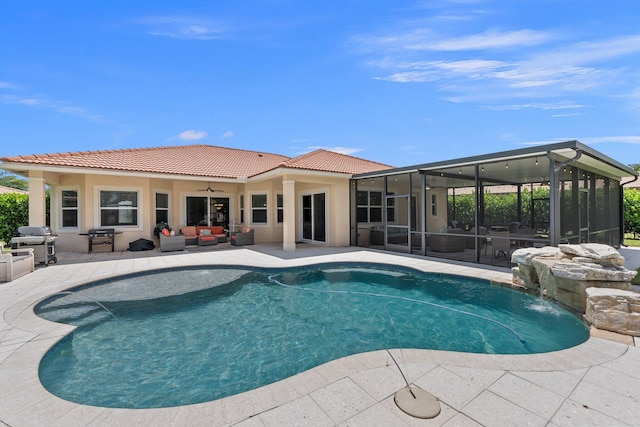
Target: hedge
x=14, y=213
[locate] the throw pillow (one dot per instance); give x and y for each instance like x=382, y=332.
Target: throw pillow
x=205, y=232
x=166, y=232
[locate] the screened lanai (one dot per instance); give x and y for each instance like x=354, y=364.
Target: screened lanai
x=482, y=208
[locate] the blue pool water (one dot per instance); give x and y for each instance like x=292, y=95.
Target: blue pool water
x=176, y=337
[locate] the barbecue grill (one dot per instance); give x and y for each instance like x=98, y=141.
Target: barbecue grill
x=41, y=239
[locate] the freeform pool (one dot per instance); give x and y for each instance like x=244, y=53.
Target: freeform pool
x=176, y=337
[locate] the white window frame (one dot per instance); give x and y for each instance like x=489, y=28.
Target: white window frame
x=434, y=204
x=252, y=209
x=60, y=208
x=139, y=208
x=155, y=204
x=279, y=209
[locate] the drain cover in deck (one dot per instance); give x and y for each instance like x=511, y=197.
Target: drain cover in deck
x=417, y=402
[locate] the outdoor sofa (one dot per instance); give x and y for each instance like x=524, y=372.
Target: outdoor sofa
x=191, y=233
x=15, y=263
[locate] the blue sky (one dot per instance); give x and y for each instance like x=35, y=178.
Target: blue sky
x=401, y=82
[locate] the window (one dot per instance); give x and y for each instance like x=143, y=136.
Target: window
x=242, y=208
x=69, y=208
x=280, y=208
x=258, y=208
x=162, y=208
x=434, y=205
x=118, y=208
x=369, y=207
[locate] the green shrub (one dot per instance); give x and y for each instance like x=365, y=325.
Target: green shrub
x=14, y=213
x=631, y=206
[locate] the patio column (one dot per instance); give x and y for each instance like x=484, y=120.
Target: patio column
x=37, y=201
x=289, y=215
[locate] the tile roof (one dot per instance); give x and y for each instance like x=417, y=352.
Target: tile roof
x=199, y=160
x=329, y=161
x=5, y=190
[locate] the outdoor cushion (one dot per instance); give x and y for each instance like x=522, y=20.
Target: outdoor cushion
x=189, y=230
x=166, y=232
x=205, y=232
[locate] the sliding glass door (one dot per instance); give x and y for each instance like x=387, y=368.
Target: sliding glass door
x=314, y=217
x=208, y=211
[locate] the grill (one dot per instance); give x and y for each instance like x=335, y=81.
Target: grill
x=41, y=239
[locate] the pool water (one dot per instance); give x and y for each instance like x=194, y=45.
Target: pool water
x=178, y=337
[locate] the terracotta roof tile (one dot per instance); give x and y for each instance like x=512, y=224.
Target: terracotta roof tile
x=329, y=161
x=9, y=190
x=193, y=160
x=200, y=160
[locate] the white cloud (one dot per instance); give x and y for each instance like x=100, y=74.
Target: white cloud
x=621, y=139
x=228, y=134
x=562, y=105
x=191, y=135
x=483, y=41
x=7, y=85
x=509, y=64
x=60, y=107
x=427, y=40
x=183, y=27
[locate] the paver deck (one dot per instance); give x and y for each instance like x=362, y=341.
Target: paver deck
x=596, y=383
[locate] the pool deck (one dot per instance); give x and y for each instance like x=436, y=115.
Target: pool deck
x=596, y=383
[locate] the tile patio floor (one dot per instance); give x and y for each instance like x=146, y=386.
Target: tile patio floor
x=596, y=383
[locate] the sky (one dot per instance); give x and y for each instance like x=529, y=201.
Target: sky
x=397, y=82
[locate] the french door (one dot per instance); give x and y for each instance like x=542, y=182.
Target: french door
x=314, y=220
x=208, y=211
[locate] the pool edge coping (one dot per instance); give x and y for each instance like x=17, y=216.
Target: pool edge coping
x=20, y=367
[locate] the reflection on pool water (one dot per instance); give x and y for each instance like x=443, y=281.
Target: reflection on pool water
x=176, y=337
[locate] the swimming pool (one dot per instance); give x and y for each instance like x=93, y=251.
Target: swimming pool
x=175, y=337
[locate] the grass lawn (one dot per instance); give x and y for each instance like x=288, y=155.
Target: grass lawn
x=631, y=242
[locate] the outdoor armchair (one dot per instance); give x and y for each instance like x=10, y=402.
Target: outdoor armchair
x=242, y=237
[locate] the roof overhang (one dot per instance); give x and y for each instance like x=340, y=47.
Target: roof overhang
x=23, y=169
x=589, y=159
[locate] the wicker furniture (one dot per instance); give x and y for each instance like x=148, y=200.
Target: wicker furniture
x=192, y=232
x=171, y=243
x=242, y=237
x=207, y=240
x=444, y=242
x=15, y=263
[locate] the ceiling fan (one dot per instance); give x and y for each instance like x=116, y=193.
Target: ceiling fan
x=209, y=189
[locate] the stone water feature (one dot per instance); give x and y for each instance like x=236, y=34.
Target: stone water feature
x=588, y=278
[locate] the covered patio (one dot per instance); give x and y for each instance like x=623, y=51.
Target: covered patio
x=481, y=208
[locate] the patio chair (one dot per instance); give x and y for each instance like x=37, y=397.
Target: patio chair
x=15, y=263
x=501, y=244
x=242, y=237
x=171, y=243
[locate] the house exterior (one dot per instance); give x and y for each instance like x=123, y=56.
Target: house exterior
x=285, y=200
x=556, y=193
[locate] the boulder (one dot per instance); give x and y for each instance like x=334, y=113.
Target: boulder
x=599, y=253
x=613, y=310
x=566, y=272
